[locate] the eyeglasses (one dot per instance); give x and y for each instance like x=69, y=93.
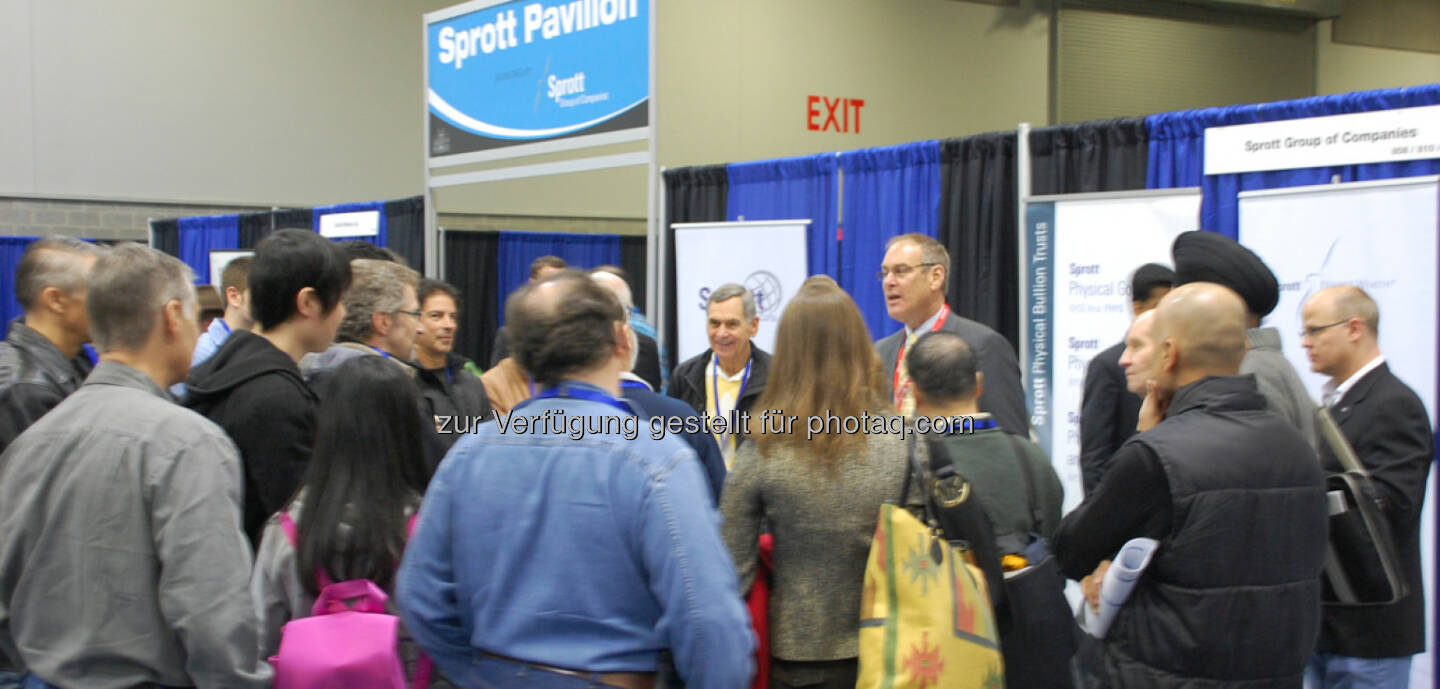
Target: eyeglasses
x=413, y=314
x=901, y=270
x=1314, y=330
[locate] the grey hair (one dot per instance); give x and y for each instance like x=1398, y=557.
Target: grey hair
x=621, y=290
x=52, y=262
x=129, y=287
x=729, y=291
x=375, y=287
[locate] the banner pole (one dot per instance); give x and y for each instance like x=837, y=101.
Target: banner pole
x=1022, y=192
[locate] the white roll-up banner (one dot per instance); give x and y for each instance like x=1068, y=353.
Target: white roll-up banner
x=1082, y=250
x=1380, y=236
x=768, y=257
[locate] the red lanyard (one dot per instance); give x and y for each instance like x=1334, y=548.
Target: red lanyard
x=900, y=358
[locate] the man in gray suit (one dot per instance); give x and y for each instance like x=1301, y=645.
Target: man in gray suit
x=913, y=275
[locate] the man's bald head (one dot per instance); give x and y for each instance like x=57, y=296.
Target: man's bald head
x=563, y=325
x=1344, y=302
x=1202, y=328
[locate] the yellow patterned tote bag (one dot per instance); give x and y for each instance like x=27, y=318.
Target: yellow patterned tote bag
x=925, y=616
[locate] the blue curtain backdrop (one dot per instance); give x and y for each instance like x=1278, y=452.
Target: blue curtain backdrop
x=1177, y=149
x=202, y=234
x=10, y=250
x=518, y=249
x=381, y=237
x=888, y=191
x=790, y=189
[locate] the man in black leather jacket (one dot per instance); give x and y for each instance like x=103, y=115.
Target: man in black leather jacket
x=41, y=361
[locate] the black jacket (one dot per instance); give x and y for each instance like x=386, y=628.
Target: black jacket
x=653, y=404
x=255, y=392
x=1108, y=414
x=1387, y=426
x=687, y=382
x=1002, y=395
x=1232, y=596
x=34, y=377
x=452, y=391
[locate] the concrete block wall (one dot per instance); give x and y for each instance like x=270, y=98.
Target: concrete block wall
x=29, y=217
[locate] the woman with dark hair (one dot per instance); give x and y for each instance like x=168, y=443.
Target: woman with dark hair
x=351, y=514
x=820, y=496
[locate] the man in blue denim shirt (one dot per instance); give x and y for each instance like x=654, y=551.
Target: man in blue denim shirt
x=565, y=546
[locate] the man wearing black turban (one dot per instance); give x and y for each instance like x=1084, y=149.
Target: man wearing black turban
x=1211, y=257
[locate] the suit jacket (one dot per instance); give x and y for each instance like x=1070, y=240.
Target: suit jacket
x=647, y=362
x=1001, y=396
x=1387, y=425
x=1108, y=414
x=651, y=404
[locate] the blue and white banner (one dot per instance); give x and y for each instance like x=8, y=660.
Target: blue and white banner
x=766, y=256
x=530, y=71
x=1083, y=249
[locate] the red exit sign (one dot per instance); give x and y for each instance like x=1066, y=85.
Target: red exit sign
x=833, y=115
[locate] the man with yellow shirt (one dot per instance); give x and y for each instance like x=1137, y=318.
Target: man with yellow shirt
x=731, y=374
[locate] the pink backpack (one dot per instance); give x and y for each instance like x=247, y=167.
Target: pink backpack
x=342, y=646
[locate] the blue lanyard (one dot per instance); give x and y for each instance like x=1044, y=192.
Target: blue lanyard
x=584, y=393
x=224, y=325
x=976, y=424
x=633, y=385
x=715, y=381
x=381, y=352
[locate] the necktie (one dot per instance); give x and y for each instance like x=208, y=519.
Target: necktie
x=907, y=403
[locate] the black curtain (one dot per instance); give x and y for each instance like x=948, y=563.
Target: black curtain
x=1104, y=155
x=294, y=218
x=632, y=259
x=471, y=265
x=405, y=229
x=167, y=236
x=692, y=194
x=253, y=228
x=978, y=225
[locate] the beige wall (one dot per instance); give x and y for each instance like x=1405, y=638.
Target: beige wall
x=734, y=75
x=257, y=102
x=1341, y=68
x=274, y=102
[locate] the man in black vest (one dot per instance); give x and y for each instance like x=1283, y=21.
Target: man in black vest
x=1388, y=428
x=1236, y=498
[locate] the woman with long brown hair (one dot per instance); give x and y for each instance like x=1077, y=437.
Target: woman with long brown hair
x=820, y=495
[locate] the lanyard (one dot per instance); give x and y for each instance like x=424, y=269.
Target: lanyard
x=381, y=352
x=634, y=385
x=224, y=325
x=900, y=358
x=588, y=394
x=976, y=424
x=715, y=381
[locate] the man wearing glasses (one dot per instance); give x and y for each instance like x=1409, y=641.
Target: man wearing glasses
x=1386, y=424
x=382, y=318
x=913, y=275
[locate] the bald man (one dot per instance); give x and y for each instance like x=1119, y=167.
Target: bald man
x=1386, y=424
x=1234, y=495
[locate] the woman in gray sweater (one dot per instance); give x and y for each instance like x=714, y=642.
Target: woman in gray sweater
x=819, y=496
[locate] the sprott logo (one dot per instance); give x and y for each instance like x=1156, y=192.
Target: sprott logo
x=767, y=290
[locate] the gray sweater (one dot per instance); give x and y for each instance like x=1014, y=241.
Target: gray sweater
x=823, y=516
x=1279, y=382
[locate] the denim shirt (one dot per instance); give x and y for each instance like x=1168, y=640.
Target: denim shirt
x=592, y=554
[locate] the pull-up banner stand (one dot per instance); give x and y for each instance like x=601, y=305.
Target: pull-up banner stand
x=529, y=77
x=1082, y=250
x=1381, y=236
x=766, y=256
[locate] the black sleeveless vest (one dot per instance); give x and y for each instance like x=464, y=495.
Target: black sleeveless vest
x=1232, y=596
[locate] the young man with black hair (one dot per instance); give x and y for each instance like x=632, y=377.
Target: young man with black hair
x=448, y=388
x=252, y=387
